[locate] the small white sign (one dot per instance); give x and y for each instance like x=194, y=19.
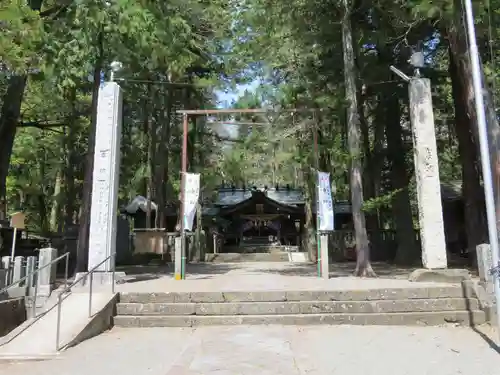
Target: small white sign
x=191, y=196
x=325, y=203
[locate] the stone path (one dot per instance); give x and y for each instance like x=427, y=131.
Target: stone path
x=261, y=276
x=275, y=350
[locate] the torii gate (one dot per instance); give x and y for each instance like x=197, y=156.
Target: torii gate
x=180, y=268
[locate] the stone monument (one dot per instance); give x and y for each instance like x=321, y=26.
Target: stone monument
x=430, y=211
x=103, y=216
x=46, y=278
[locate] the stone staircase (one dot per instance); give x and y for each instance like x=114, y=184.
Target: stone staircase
x=259, y=249
x=404, y=306
x=252, y=253
x=247, y=257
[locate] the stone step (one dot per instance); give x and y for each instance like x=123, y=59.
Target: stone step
x=302, y=307
x=466, y=318
x=247, y=257
x=261, y=249
x=301, y=295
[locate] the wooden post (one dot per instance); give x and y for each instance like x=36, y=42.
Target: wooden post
x=177, y=257
x=198, y=256
x=325, y=271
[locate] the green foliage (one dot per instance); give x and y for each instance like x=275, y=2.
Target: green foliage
x=293, y=48
x=21, y=33
x=385, y=201
x=156, y=42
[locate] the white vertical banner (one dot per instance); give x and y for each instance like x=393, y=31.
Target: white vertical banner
x=191, y=196
x=325, y=203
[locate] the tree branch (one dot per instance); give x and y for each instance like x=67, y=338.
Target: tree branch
x=40, y=124
x=56, y=10
x=222, y=139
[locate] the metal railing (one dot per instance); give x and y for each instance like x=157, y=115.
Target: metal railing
x=31, y=275
x=77, y=281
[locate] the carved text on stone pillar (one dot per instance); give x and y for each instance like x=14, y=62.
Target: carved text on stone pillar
x=102, y=241
x=427, y=175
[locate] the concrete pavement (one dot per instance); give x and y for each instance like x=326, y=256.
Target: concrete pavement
x=276, y=350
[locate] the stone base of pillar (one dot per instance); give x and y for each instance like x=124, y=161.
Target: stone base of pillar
x=100, y=278
x=44, y=290
x=3, y=277
x=16, y=292
x=447, y=275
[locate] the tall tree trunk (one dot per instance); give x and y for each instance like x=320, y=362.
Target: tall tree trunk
x=55, y=213
x=160, y=167
x=70, y=162
x=372, y=220
x=363, y=265
x=9, y=116
x=164, y=162
x=82, y=248
x=152, y=162
x=408, y=251
x=147, y=128
x=472, y=192
x=42, y=204
x=378, y=146
x=42, y=210
x=467, y=130
x=309, y=233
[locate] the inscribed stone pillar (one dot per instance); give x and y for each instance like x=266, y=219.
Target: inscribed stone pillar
x=19, y=270
x=430, y=212
x=47, y=276
x=103, y=217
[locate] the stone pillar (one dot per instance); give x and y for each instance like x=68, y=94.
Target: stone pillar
x=46, y=277
x=484, y=265
x=30, y=269
x=487, y=293
x=103, y=218
x=3, y=276
x=19, y=270
x=323, y=248
x=6, y=265
x=430, y=210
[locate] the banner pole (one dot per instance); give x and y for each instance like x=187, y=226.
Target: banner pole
x=183, y=196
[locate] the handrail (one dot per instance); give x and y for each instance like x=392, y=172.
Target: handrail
x=76, y=281
x=31, y=274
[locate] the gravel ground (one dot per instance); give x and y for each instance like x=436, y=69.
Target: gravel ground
x=277, y=350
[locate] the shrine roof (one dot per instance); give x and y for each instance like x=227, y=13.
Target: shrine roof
x=288, y=197
x=257, y=196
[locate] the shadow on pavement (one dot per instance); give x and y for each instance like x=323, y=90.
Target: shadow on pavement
x=338, y=270
x=488, y=340
x=150, y=272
